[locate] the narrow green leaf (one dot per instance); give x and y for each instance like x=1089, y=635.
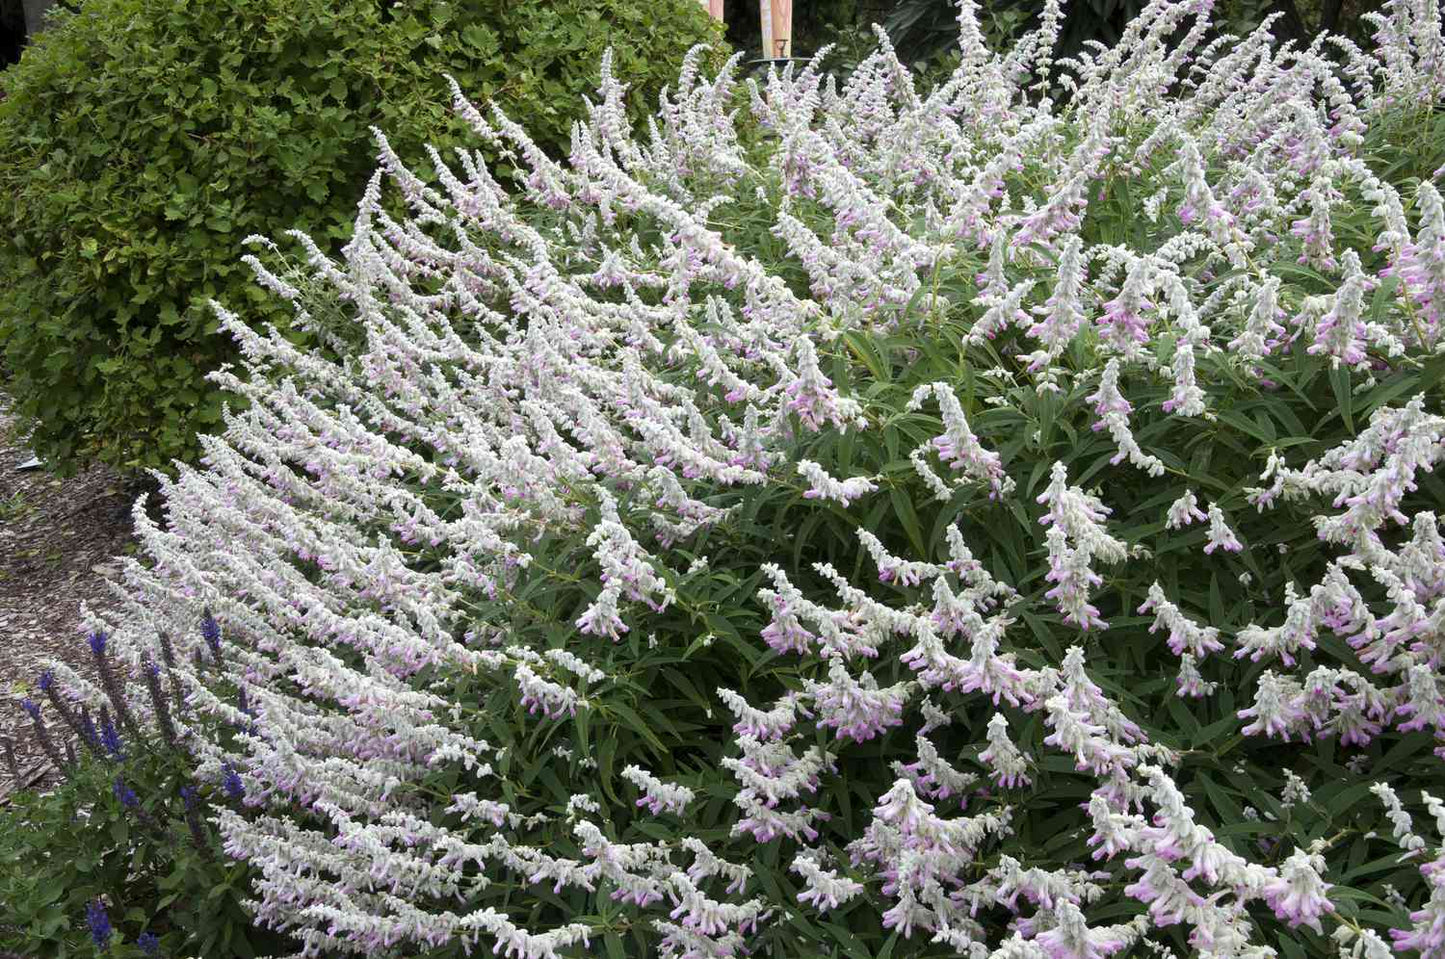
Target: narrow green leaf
x=908, y=516
x=1344, y=399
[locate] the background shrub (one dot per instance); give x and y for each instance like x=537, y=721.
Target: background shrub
x=141, y=141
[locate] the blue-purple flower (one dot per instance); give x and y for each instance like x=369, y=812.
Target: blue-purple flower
x=193, y=820
x=31, y=707
x=97, y=642
x=100, y=929
x=211, y=633
x=231, y=782
x=87, y=728
x=124, y=794
x=110, y=738
x=149, y=943
x=160, y=708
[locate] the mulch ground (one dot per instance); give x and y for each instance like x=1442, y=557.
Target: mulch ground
x=58, y=543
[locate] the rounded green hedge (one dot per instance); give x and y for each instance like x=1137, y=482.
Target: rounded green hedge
x=140, y=142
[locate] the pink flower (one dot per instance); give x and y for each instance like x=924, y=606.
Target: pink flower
x=1297, y=896
x=1073, y=939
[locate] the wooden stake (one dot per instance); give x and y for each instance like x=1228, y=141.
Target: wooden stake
x=777, y=21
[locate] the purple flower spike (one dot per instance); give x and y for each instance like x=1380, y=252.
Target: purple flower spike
x=31, y=707
x=99, y=922
x=124, y=794
x=97, y=642
x=149, y=944
x=110, y=738
x=193, y=821
x=47, y=680
x=87, y=728
x=211, y=633
x=231, y=782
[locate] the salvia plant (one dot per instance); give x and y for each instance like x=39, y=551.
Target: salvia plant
x=843, y=519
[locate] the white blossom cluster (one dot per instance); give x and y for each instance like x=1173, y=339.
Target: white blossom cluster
x=567, y=395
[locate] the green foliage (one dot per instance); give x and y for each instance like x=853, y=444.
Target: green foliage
x=925, y=31
x=141, y=141
x=63, y=849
